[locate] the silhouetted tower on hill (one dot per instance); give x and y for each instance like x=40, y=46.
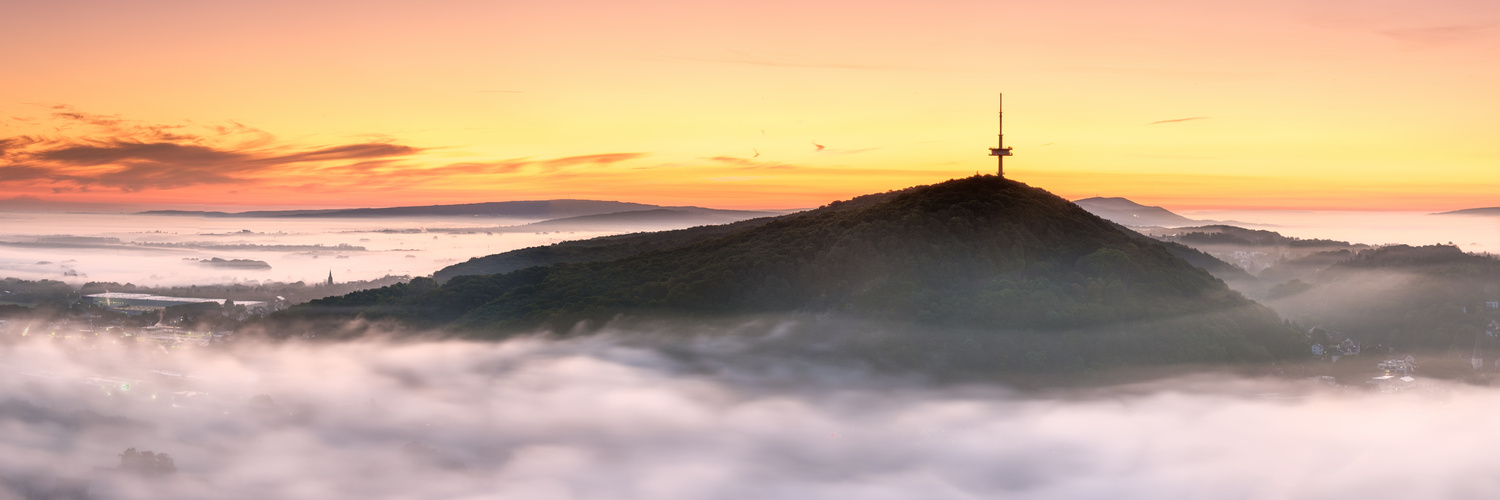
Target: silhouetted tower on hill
x=1000, y=151
x=330, y=277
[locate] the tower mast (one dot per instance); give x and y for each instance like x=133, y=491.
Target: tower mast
x=1000, y=151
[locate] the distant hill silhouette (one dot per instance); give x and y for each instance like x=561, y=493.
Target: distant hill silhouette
x=982, y=255
x=1268, y=256
x=1234, y=235
x=540, y=209
x=647, y=219
x=1491, y=211
x=1129, y=213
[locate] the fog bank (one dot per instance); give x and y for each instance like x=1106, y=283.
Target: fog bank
x=596, y=418
x=162, y=250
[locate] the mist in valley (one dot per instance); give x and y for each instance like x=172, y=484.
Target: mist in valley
x=601, y=417
x=711, y=409
x=1394, y=282
x=160, y=250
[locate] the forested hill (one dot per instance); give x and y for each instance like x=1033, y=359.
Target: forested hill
x=590, y=250
x=981, y=252
x=1435, y=297
x=607, y=248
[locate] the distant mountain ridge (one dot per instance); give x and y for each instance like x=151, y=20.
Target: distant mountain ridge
x=1490, y=211
x=532, y=209
x=1129, y=213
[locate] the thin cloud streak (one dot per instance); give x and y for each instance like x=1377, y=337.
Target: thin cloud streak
x=1439, y=35
x=749, y=163
x=1177, y=120
x=797, y=62
x=596, y=159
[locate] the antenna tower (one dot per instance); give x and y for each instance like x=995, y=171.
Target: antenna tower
x=1000, y=151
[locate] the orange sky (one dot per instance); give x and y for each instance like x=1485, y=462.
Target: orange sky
x=1185, y=104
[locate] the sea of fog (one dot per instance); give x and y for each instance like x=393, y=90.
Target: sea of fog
x=169, y=250
x=596, y=418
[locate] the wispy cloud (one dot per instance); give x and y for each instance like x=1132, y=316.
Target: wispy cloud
x=397, y=173
x=1161, y=72
x=795, y=61
x=106, y=151
x=1439, y=35
x=749, y=163
x=846, y=151
x=129, y=165
x=598, y=159
x=1176, y=120
x=9, y=173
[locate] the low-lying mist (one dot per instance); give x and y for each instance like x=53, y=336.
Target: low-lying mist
x=598, y=417
x=167, y=251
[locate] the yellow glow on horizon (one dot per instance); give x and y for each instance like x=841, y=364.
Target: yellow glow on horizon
x=1183, y=104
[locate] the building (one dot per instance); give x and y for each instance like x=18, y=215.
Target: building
x=1390, y=383
x=1390, y=367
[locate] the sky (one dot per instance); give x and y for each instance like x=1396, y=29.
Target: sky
x=1331, y=105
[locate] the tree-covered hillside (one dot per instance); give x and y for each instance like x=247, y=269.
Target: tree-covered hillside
x=590, y=250
x=979, y=254
x=1428, y=297
x=620, y=246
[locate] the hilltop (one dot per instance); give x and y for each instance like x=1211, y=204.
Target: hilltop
x=1005, y=263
